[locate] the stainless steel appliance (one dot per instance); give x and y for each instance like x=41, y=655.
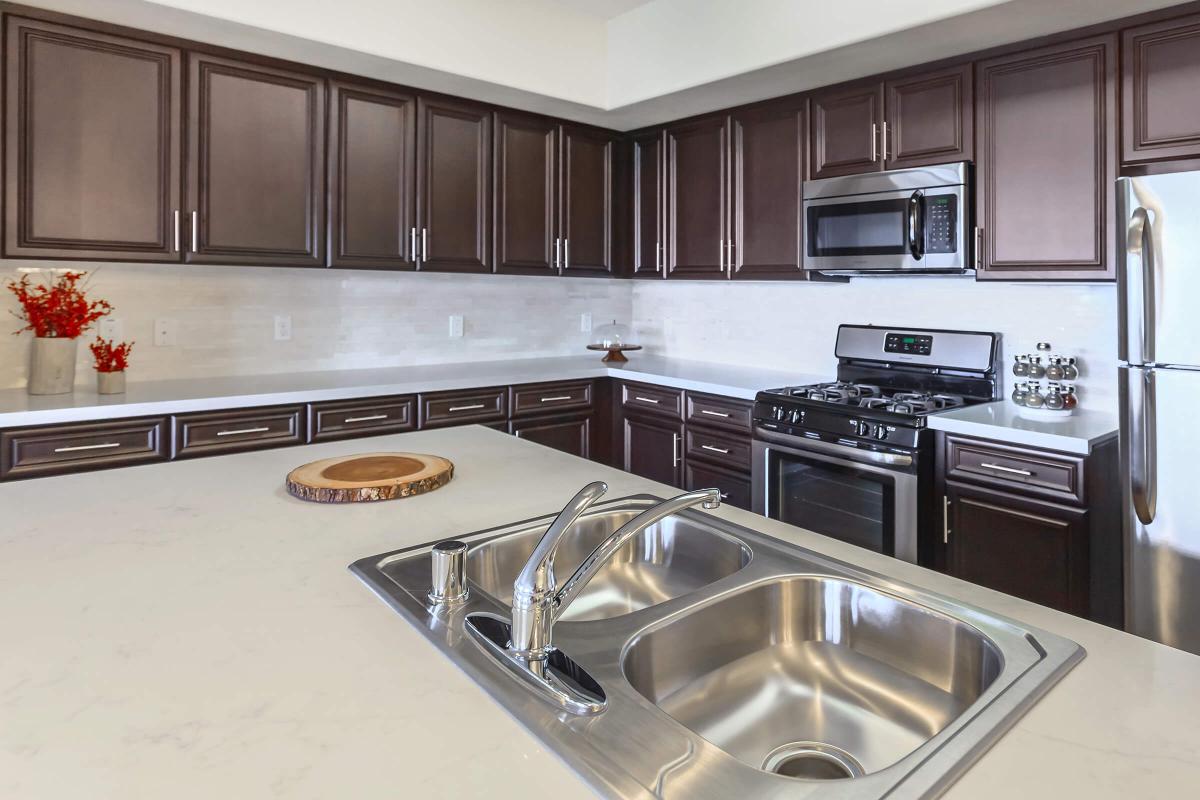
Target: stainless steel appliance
x=1158, y=235
x=899, y=221
x=853, y=459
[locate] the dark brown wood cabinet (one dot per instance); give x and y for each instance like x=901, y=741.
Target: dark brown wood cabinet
x=845, y=129
x=372, y=178
x=1161, y=75
x=78, y=447
x=930, y=118
x=93, y=145
x=735, y=486
x=766, y=191
x=1045, y=191
x=454, y=197
x=238, y=430
x=697, y=198
x=570, y=433
x=653, y=448
x=372, y=416
x=256, y=164
x=525, y=154
x=586, y=201
x=649, y=205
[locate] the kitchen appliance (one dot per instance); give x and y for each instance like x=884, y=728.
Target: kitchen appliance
x=853, y=459
x=899, y=221
x=1158, y=237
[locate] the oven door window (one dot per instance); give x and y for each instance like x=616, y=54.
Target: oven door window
x=835, y=499
x=866, y=228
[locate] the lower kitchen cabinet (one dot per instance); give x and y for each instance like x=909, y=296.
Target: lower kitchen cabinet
x=569, y=433
x=734, y=486
x=222, y=432
x=56, y=449
x=653, y=449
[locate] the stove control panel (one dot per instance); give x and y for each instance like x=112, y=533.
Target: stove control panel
x=871, y=430
x=908, y=344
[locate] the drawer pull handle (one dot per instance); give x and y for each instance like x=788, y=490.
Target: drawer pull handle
x=472, y=407
x=370, y=418
x=555, y=399
x=241, y=431
x=720, y=414
x=722, y=450
x=80, y=447
x=1001, y=468
x=724, y=495
x=645, y=399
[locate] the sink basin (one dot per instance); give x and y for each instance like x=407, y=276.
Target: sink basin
x=813, y=676
x=670, y=559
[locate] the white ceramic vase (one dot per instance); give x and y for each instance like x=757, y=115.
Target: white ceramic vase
x=110, y=382
x=52, y=365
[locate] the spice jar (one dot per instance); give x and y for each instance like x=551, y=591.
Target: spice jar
x=1054, y=397
x=1070, y=400
x=1020, y=366
x=1036, y=370
x=1034, y=399
x=1070, y=369
x=1054, y=370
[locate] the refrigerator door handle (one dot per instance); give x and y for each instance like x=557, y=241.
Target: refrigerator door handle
x=1143, y=455
x=1140, y=270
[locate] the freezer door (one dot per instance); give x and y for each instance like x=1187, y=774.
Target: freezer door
x=1159, y=448
x=1158, y=240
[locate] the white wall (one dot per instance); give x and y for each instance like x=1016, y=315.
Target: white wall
x=793, y=325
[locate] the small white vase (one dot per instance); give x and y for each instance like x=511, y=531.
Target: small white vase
x=52, y=365
x=110, y=382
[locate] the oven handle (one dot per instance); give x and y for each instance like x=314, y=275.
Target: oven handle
x=801, y=444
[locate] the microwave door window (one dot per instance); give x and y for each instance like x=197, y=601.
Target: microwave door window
x=874, y=228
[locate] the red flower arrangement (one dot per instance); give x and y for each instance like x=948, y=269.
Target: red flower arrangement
x=110, y=357
x=57, y=309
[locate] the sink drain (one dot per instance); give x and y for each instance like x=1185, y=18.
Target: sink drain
x=814, y=761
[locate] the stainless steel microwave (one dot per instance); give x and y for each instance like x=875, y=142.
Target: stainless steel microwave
x=901, y=221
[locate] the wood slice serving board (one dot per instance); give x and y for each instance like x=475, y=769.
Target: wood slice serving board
x=369, y=476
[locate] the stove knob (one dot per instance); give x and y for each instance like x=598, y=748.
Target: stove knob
x=882, y=433
x=778, y=413
x=796, y=416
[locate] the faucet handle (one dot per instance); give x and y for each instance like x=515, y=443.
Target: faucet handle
x=449, y=572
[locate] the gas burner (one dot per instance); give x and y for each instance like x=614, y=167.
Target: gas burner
x=837, y=392
x=913, y=402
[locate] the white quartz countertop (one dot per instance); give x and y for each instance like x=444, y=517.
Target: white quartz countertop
x=1077, y=433
x=188, y=630
x=17, y=408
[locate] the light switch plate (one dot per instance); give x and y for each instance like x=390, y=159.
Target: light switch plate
x=456, y=326
x=283, y=327
x=166, y=332
x=111, y=329
x=585, y=323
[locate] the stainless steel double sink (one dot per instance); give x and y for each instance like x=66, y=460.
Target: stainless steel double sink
x=734, y=665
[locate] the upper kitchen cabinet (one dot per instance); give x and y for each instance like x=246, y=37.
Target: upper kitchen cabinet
x=586, y=212
x=929, y=119
x=372, y=178
x=454, y=197
x=697, y=198
x=846, y=130
x=92, y=150
x=1047, y=161
x=1161, y=73
x=768, y=172
x=526, y=164
x=256, y=164
x=649, y=205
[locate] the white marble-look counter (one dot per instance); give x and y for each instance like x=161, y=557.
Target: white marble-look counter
x=17, y=408
x=1001, y=420
x=190, y=631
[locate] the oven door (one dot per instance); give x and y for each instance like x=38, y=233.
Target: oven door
x=864, y=497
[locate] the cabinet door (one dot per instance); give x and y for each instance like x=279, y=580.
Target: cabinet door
x=1160, y=71
x=1027, y=548
x=372, y=178
x=653, y=449
x=92, y=145
x=735, y=487
x=526, y=159
x=697, y=199
x=845, y=130
x=930, y=119
x=1046, y=125
x=768, y=173
x=648, y=206
x=586, y=210
x=570, y=433
x=454, y=198
x=256, y=164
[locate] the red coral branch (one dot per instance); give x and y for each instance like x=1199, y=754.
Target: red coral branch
x=110, y=357
x=58, y=309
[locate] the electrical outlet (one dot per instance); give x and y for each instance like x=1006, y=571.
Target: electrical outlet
x=111, y=329
x=585, y=323
x=456, y=326
x=283, y=327
x=166, y=332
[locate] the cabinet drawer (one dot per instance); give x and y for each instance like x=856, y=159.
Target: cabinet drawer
x=735, y=487
x=731, y=451
x=32, y=452
x=464, y=408
x=234, y=431
x=544, y=398
x=1032, y=472
x=376, y=415
x=652, y=399
x=724, y=412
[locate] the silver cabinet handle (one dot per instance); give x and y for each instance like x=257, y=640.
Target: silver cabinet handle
x=874, y=142
x=945, y=519
x=674, y=449
x=195, y=231
x=723, y=451
x=424, y=244
x=554, y=264
x=80, y=447
x=883, y=141
x=472, y=407
x=1002, y=468
x=645, y=399
x=978, y=247
x=554, y=399
x=566, y=262
x=370, y=418
x=412, y=243
x=729, y=259
x=724, y=495
x=241, y=431
x=721, y=254
x=658, y=256
x=720, y=414
x=175, y=239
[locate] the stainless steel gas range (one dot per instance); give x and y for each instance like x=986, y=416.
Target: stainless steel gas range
x=853, y=459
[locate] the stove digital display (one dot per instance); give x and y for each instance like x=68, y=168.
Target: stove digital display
x=908, y=344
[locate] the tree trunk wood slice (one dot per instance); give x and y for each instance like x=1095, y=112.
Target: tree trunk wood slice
x=369, y=477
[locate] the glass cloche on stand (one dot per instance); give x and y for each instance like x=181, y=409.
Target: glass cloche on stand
x=615, y=338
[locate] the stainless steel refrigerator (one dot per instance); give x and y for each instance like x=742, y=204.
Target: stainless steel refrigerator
x=1158, y=237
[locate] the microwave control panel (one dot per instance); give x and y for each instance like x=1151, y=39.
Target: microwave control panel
x=941, y=222
x=908, y=344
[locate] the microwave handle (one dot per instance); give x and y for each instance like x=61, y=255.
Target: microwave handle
x=916, y=226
